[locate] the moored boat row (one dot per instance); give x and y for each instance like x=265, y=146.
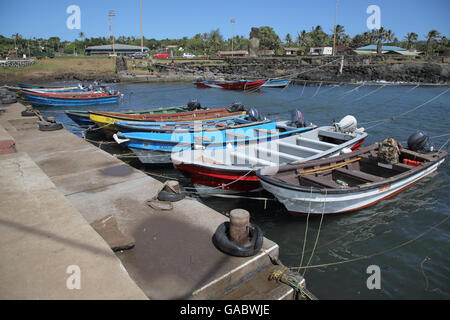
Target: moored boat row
x=310, y=169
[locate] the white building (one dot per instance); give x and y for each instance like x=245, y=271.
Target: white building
x=325, y=51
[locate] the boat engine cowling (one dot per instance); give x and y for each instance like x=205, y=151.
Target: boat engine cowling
x=297, y=119
x=254, y=115
x=194, y=105
x=348, y=124
x=420, y=142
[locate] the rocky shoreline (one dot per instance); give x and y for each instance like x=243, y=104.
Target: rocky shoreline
x=303, y=70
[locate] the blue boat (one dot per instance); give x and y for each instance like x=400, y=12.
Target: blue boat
x=276, y=83
x=219, y=124
x=155, y=147
x=70, y=99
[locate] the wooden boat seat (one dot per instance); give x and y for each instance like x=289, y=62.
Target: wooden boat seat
x=398, y=167
x=200, y=138
x=267, y=132
x=416, y=156
x=239, y=136
x=252, y=159
x=300, y=148
x=279, y=154
x=359, y=175
x=319, y=181
x=317, y=142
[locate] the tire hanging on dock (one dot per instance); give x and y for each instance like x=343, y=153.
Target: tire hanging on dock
x=48, y=126
x=223, y=243
x=170, y=196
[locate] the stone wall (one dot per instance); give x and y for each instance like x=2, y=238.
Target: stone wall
x=320, y=69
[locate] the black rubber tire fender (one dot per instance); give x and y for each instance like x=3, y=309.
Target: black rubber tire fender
x=224, y=244
x=27, y=113
x=170, y=196
x=50, y=126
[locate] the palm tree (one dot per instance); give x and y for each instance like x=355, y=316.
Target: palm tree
x=381, y=35
x=288, y=39
x=340, y=32
x=432, y=36
x=301, y=38
x=410, y=38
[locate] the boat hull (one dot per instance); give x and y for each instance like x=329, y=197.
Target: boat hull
x=82, y=117
x=41, y=100
x=231, y=85
x=232, y=180
x=225, y=181
x=304, y=202
x=276, y=84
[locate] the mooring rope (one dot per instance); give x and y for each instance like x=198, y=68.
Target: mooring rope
x=374, y=254
x=306, y=229
x=318, y=234
x=381, y=121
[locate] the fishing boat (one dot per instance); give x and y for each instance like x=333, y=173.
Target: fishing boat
x=233, y=169
x=346, y=183
x=81, y=117
x=106, y=120
x=276, y=83
x=137, y=126
x=78, y=88
x=231, y=85
x=157, y=147
x=70, y=98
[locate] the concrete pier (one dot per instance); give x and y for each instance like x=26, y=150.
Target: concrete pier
x=54, y=184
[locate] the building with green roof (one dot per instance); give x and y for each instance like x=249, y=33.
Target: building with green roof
x=119, y=49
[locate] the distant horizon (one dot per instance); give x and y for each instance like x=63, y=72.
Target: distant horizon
x=181, y=19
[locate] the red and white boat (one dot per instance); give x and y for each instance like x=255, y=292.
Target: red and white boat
x=231, y=85
x=232, y=169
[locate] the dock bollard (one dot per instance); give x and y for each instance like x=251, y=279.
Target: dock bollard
x=239, y=227
x=238, y=237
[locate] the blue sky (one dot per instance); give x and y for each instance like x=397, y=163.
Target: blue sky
x=175, y=19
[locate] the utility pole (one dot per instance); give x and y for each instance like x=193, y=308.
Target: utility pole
x=334, y=38
x=112, y=14
x=233, y=20
x=142, y=38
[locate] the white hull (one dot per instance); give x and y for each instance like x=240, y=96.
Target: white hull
x=152, y=156
x=297, y=201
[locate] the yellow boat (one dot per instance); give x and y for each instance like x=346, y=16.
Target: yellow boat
x=106, y=120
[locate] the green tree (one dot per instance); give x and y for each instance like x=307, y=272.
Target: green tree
x=269, y=40
x=288, y=39
x=432, y=36
x=410, y=38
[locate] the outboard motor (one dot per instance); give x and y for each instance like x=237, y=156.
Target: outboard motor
x=253, y=115
x=193, y=105
x=297, y=119
x=420, y=142
x=235, y=107
x=348, y=124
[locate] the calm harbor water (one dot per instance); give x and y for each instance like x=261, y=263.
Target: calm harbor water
x=416, y=270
